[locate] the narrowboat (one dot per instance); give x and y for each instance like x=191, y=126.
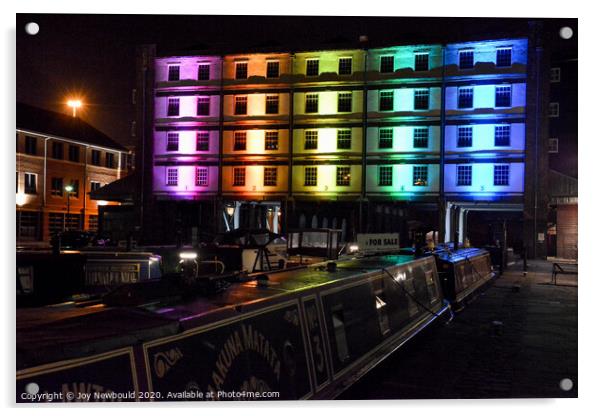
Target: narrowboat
x=302, y=333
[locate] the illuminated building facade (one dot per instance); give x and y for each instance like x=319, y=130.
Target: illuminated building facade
x=363, y=139
x=56, y=153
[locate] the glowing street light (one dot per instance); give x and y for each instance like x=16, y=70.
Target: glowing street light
x=69, y=189
x=74, y=104
x=21, y=199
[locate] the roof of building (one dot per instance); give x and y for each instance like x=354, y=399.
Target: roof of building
x=561, y=185
x=339, y=44
x=122, y=190
x=51, y=123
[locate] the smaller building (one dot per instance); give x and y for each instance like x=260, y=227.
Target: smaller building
x=60, y=160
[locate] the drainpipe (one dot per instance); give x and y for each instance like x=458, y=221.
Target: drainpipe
x=364, y=137
x=291, y=131
x=220, y=140
x=538, y=51
x=45, y=171
x=442, y=200
x=85, y=186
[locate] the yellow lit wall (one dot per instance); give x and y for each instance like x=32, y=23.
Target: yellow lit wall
x=327, y=141
x=326, y=183
x=328, y=102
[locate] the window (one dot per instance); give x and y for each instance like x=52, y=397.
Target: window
x=466, y=59
x=463, y=175
x=92, y=222
x=57, y=150
x=202, y=141
x=501, y=175
x=385, y=102
x=173, y=107
x=311, y=176
x=554, y=110
x=240, y=105
x=385, y=138
x=345, y=66
x=503, y=57
x=273, y=69
x=312, y=67
x=109, y=160
x=271, y=140
x=311, y=103
x=271, y=104
x=421, y=61
x=503, y=96
x=75, y=188
x=241, y=70
x=29, y=224
x=74, y=153
x=502, y=135
x=344, y=102
x=202, y=106
x=385, y=175
x=173, y=73
x=555, y=75
x=421, y=99
x=343, y=176
x=202, y=177
x=386, y=64
x=240, y=140
x=465, y=136
x=270, y=176
x=421, y=137
x=338, y=325
x=311, y=139
x=239, y=177
x=96, y=157
x=465, y=97
x=204, y=72
x=94, y=186
x=553, y=145
x=31, y=144
x=173, y=142
x=344, y=139
x=56, y=187
x=420, y=175
x=172, y=177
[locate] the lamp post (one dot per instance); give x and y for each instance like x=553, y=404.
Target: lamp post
x=74, y=104
x=69, y=189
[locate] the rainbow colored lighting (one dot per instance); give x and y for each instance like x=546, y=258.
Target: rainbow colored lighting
x=269, y=169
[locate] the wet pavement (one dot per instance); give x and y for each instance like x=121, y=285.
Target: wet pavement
x=518, y=338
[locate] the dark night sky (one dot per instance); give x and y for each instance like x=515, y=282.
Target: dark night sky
x=93, y=55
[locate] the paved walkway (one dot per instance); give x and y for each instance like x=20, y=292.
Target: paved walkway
x=528, y=355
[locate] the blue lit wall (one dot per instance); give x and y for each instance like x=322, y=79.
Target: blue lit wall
x=482, y=180
x=483, y=117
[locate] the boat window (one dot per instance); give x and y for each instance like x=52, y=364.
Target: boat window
x=338, y=323
x=383, y=317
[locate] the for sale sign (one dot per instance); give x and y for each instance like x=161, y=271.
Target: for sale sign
x=374, y=243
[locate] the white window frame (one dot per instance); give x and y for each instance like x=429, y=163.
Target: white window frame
x=556, y=113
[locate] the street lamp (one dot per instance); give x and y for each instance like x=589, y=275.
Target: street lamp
x=74, y=104
x=69, y=189
x=21, y=199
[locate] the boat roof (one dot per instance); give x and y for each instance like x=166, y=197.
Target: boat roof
x=67, y=331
